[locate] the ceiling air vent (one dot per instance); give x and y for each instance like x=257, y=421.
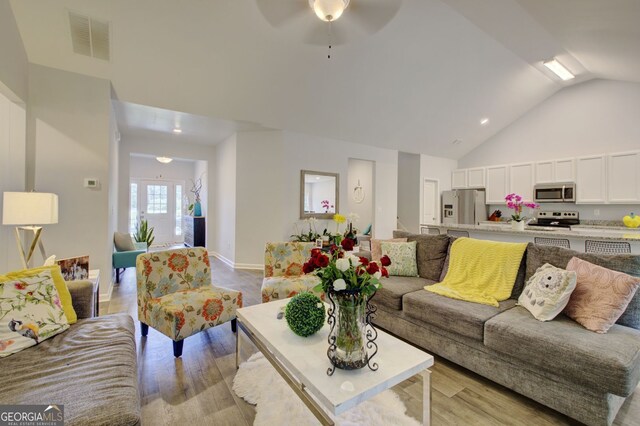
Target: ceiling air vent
x=89, y=36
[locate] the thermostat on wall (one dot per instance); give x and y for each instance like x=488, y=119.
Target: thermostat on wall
x=91, y=183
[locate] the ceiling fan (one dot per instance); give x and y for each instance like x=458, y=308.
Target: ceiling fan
x=319, y=22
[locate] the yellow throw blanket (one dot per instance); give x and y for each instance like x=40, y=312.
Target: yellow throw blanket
x=481, y=271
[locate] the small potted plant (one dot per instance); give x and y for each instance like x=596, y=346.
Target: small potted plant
x=515, y=203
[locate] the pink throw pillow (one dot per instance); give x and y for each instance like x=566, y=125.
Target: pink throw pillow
x=376, y=247
x=601, y=295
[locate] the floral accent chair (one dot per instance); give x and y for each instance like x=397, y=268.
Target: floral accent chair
x=283, y=276
x=176, y=297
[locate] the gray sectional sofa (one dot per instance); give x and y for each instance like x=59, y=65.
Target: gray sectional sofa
x=90, y=368
x=560, y=364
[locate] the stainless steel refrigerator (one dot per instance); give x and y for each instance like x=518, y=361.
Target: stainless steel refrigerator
x=463, y=206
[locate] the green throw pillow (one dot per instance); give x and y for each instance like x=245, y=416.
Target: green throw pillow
x=403, y=258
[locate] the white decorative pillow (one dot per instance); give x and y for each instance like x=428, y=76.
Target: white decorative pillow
x=403, y=258
x=547, y=292
x=30, y=312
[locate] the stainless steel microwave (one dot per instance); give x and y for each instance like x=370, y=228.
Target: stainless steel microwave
x=555, y=193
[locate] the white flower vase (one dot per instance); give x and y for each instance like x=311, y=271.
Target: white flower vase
x=517, y=225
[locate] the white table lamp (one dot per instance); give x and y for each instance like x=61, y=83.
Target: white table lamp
x=27, y=210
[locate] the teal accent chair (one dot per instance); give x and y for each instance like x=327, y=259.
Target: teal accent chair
x=127, y=259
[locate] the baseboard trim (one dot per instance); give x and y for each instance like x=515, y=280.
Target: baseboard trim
x=222, y=258
x=255, y=266
x=234, y=265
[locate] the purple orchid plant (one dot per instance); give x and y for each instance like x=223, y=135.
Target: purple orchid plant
x=515, y=203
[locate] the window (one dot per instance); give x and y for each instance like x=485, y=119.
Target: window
x=178, y=210
x=157, y=199
x=133, y=207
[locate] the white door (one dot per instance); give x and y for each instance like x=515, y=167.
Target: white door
x=160, y=203
x=430, y=202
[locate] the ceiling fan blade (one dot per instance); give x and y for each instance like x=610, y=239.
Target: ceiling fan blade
x=281, y=12
x=371, y=15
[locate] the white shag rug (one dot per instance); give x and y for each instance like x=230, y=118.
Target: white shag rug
x=258, y=383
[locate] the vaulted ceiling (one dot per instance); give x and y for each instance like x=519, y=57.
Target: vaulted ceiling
x=420, y=82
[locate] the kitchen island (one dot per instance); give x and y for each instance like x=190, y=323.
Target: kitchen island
x=501, y=231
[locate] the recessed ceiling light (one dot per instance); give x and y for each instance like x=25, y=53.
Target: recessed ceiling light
x=317, y=177
x=457, y=142
x=558, y=69
x=164, y=160
x=177, y=130
x=484, y=121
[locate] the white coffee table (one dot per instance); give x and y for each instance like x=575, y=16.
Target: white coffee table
x=303, y=363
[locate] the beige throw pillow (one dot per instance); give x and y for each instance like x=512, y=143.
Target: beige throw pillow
x=547, y=292
x=402, y=256
x=601, y=295
x=376, y=249
x=123, y=241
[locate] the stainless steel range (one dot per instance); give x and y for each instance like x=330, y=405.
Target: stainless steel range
x=556, y=219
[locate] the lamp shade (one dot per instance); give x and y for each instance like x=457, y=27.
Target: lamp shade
x=29, y=208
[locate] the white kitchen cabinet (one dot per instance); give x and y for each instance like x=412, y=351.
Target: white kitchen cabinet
x=459, y=179
x=591, y=180
x=475, y=178
x=521, y=180
x=544, y=172
x=554, y=171
x=623, y=177
x=497, y=180
x=565, y=170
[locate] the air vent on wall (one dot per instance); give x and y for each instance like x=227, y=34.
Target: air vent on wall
x=89, y=36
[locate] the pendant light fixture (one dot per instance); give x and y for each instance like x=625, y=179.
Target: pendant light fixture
x=328, y=10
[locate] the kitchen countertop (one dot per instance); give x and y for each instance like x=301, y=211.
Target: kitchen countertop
x=578, y=231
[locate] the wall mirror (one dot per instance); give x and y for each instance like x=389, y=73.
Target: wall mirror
x=318, y=194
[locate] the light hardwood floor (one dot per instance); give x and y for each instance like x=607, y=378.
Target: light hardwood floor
x=196, y=389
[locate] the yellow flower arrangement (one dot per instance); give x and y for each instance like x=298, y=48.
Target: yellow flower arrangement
x=339, y=218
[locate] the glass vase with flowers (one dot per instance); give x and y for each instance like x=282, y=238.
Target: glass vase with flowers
x=350, y=282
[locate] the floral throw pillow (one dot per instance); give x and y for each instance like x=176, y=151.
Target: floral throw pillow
x=403, y=258
x=601, y=295
x=547, y=292
x=30, y=312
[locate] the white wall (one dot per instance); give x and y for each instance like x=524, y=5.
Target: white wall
x=439, y=169
x=409, y=189
x=260, y=197
x=362, y=171
x=12, y=172
x=305, y=152
x=223, y=239
x=145, y=167
x=590, y=118
x=69, y=121
x=114, y=151
x=14, y=64
x=596, y=117
x=166, y=146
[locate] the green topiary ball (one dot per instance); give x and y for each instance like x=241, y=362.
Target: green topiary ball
x=305, y=314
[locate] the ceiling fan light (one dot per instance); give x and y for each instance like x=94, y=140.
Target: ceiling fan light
x=164, y=160
x=328, y=10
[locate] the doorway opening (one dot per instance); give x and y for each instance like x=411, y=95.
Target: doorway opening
x=360, y=194
x=160, y=193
